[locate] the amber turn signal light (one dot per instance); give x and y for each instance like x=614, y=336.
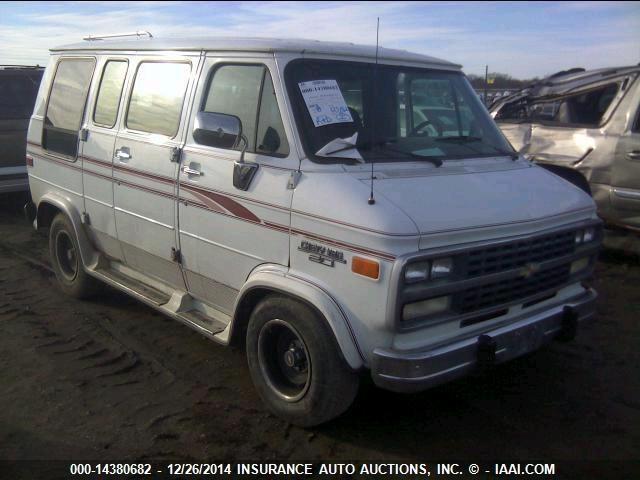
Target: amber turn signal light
x=365, y=267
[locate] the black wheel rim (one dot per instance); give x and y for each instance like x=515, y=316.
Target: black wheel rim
x=284, y=360
x=66, y=255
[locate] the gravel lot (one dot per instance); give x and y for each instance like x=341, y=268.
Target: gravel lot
x=110, y=379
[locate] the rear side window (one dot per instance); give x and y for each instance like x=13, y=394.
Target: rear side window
x=157, y=97
x=108, y=100
x=66, y=105
x=18, y=95
x=247, y=92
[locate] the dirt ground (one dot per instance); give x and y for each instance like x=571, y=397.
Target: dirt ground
x=111, y=379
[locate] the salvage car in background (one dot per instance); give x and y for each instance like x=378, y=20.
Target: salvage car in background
x=585, y=127
x=18, y=90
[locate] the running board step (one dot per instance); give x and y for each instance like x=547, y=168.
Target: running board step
x=205, y=322
x=151, y=294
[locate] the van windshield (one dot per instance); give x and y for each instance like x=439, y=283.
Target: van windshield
x=345, y=113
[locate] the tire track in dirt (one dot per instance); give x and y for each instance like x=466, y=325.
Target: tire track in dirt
x=106, y=345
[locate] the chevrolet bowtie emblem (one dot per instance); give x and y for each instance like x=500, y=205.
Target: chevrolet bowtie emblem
x=529, y=269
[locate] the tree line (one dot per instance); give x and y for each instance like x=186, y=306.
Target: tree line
x=500, y=81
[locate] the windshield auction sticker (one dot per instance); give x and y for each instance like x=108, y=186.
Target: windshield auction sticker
x=325, y=102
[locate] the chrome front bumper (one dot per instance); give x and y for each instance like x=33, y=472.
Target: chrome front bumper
x=411, y=371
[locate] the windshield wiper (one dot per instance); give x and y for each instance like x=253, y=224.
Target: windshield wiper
x=436, y=161
x=458, y=138
x=463, y=139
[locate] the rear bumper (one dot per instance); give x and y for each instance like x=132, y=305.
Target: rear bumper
x=419, y=370
x=14, y=182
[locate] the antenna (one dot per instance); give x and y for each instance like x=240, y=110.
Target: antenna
x=372, y=200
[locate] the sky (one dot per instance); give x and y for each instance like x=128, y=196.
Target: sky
x=522, y=39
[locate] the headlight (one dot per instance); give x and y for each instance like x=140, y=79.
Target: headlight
x=417, y=272
x=428, y=270
x=415, y=310
x=579, y=265
x=585, y=236
x=589, y=234
x=441, y=267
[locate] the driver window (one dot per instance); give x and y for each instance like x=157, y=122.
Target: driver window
x=247, y=92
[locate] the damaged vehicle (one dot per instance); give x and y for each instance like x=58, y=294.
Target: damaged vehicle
x=585, y=127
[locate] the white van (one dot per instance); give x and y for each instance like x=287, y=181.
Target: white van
x=334, y=215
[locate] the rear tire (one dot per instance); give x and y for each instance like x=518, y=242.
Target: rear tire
x=296, y=364
x=67, y=261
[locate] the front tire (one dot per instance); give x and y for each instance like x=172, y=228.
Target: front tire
x=66, y=260
x=295, y=363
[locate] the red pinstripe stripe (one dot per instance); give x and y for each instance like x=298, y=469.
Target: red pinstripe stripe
x=240, y=213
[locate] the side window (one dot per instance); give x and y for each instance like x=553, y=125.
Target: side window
x=109, y=93
x=157, y=97
x=247, y=92
x=234, y=90
x=66, y=105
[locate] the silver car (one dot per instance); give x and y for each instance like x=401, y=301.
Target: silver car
x=584, y=126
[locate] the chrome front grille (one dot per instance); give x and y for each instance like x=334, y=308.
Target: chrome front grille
x=518, y=254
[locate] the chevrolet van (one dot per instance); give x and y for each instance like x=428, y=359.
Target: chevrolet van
x=336, y=209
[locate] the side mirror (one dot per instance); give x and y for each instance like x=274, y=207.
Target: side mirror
x=217, y=130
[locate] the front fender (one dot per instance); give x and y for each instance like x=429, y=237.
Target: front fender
x=280, y=279
x=88, y=254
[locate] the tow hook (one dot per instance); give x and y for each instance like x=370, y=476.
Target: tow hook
x=569, y=324
x=486, y=351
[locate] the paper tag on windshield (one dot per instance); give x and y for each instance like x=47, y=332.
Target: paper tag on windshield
x=325, y=102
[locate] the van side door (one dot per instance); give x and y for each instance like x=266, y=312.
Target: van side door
x=144, y=167
x=100, y=130
x=225, y=232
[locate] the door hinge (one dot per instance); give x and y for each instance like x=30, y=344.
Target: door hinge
x=84, y=134
x=294, y=178
x=176, y=255
x=175, y=155
x=85, y=219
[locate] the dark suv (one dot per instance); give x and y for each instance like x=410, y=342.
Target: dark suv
x=18, y=89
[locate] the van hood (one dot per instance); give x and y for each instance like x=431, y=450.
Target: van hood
x=441, y=203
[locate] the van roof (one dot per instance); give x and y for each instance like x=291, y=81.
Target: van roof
x=269, y=45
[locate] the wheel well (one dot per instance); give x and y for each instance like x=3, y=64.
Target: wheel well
x=249, y=302
x=46, y=214
x=243, y=312
x=570, y=175
x=251, y=299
